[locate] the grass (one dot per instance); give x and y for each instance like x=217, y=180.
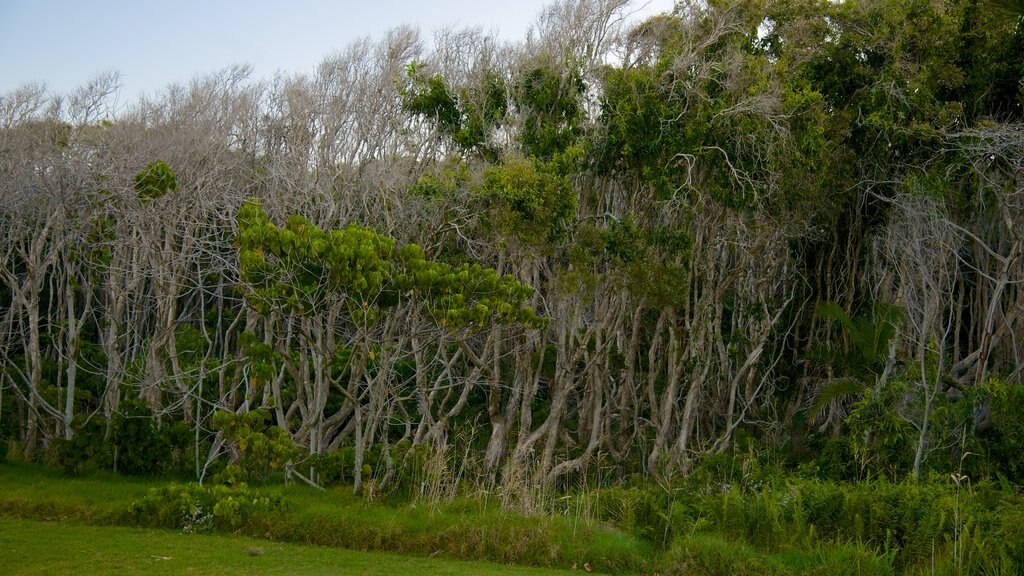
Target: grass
x=39, y=492
x=796, y=528
x=712, y=555
x=31, y=548
x=464, y=529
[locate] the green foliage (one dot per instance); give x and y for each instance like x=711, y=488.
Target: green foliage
x=882, y=437
x=690, y=132
x=792, y=526
x=529, y=199
x=652, y=264
x=997, y=416
x=337, y=468
x=640, y=137
x=838, y=461
x=865, y=349
x=1010, y=7
x=155, y=180
x=298, y=266
x=196, y=508
x=860, y=359
x=262, y=359
x=548, y=102
x=551, y=103
x=140, y=445
x=408, y=466
x=836, y=390
x=261, y=447
x=466, y=117
x=429, y=96
x=443, y=184
x=97, y=243
x=132, y=443
x=87, y=450
x=464, y=295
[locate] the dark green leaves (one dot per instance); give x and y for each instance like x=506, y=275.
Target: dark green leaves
x=300, y=268
x=155, y=180
x=465, y=116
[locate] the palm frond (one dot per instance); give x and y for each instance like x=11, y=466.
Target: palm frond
x=835, y=390
x=829, y=310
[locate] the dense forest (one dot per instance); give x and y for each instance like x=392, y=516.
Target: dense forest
x=610, y=251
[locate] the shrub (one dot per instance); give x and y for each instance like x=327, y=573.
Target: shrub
x=999, y=415
x=140, y=447
x=130, y=443
x=87, y=450
x=197, y=508
x=260, y=446
x=837, y=460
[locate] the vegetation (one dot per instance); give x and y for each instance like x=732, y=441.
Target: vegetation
x=40, y=548
x=622, y=261
x=737, y=515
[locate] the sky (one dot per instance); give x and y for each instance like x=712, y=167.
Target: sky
x=65, y=43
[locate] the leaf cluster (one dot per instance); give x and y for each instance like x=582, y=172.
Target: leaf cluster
x=301, y=267
x=155, y=181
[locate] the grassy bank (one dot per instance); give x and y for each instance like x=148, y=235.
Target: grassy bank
x=36, y=548
x=464, y=529
x=779, y=525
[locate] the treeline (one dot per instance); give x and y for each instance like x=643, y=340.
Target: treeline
x=604, y=252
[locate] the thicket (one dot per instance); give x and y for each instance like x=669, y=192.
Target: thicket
x=610, y=254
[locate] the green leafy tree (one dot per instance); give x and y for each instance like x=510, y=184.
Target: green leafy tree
x=298, y=267
x=303, y=270
x=466, y=117
x=551, y=105
x=155, y=181
x=260, y=446
x=529, y=199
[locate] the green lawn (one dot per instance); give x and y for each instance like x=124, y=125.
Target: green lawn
x=30, y=547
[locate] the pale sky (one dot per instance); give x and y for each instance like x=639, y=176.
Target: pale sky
x=64, y=43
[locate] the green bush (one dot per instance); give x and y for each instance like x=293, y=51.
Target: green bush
x=87, y=450
x=197, y=508
x=999, y=410
x=903, y=526
x=409, y=466
x=260, y=446
x=130, y=443
x=140, y=447
x=837, y=461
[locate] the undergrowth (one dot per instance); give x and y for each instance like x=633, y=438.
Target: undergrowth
x=753, y=523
